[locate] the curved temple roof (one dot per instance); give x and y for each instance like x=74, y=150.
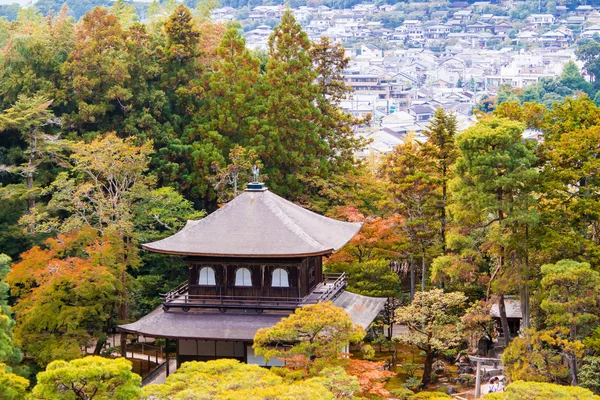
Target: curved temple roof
x=239, y=325
x=258, y=223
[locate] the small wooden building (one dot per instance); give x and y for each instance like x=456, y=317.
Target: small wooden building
x=251, y=263
x=513, y=315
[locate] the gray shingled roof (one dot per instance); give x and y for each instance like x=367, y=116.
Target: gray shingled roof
x=513, y=309
x=362, y=309
x=239, y=325
x=258, y=223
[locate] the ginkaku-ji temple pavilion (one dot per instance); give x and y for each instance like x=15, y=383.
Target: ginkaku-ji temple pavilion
x=251, y=263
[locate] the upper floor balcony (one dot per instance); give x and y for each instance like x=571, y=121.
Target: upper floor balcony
x=223, y=297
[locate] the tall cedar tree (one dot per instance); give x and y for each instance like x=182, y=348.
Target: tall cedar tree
x=329, y=62
x=229, y=116
x=494, y=190
x=182, y=157
x=31, y=60
x=415, y=195
x=297, y=141
x=231, y=95
x=97, y=74
x=289, y=143
x=441, y=149
x=144, y=114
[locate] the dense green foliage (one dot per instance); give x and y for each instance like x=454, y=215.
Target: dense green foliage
x=230, y=379
x=88, y=378
x=12, y=387
x=570, y=83
x=540, y=391
x=317, y=331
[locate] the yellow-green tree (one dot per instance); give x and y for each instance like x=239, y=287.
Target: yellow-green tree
x=432, y=321
x=569, y=297
x=9, y=353
x=569, y=199
x=229, y=380
x=540, y=356
x=541, y=391
x=320, y=330
x=89, y=378
x=12, y=387
x=108, y=192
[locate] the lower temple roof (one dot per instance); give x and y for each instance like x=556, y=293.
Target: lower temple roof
x=238, y=324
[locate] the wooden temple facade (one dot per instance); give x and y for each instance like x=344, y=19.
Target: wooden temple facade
x=251, y=263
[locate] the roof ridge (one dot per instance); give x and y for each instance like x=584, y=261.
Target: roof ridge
x=290, y=224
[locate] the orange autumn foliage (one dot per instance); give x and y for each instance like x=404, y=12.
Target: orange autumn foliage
x=65, y=296
x=371, y=376
x=378, y=237
x=211, y=35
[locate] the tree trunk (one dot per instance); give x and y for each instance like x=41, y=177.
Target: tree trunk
x=30, y=199
x=99, y=345
x=427, y=369
x=571, y=355
x=412, y=279
x=122, y=310
x=123, y=344
x=423, y=271
x=504, y=320
x=525, y=314
x=573, y=365
x=444, y=199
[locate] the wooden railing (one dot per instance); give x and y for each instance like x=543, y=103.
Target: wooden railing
x=336, y=285
x=330, y=288
x=175, y=293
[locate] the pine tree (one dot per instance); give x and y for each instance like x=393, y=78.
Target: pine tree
x=493, y=189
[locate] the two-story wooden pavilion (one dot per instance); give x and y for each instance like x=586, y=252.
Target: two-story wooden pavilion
x=251, y=263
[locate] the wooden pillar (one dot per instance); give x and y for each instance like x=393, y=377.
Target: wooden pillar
x=123, y=344
x=167, y=354
x=478, y=380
